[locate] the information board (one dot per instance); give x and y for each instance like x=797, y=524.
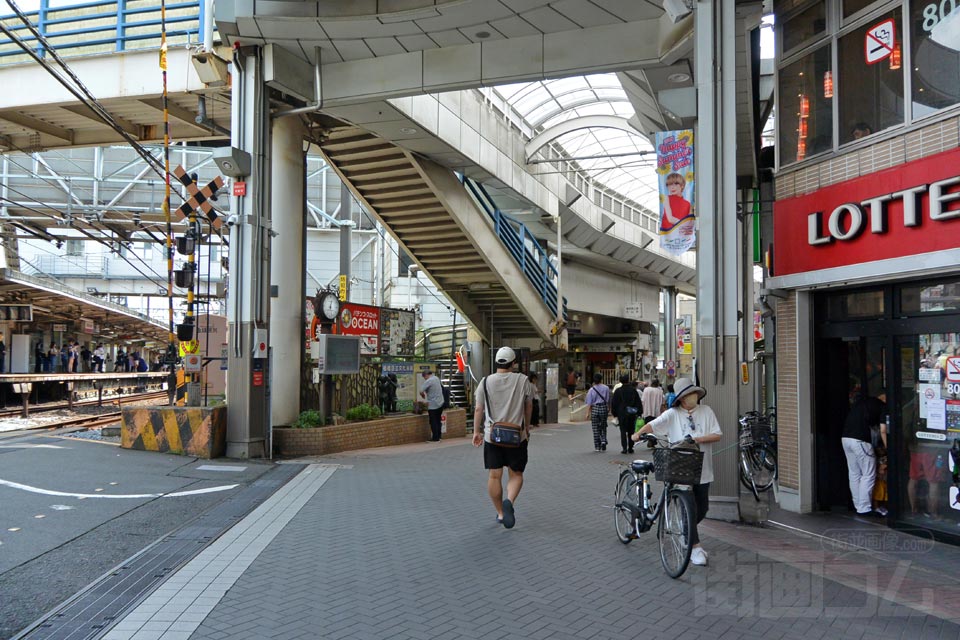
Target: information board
x=397, y=332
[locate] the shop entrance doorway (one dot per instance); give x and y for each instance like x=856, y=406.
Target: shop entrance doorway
x=846, y=367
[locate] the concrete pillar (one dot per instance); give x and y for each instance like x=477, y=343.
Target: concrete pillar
x=248, y=304
x=717, y=252
x=287, y=268
x=669, y=324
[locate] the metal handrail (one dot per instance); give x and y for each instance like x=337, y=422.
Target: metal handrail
x=183, y=19
x=521, y=244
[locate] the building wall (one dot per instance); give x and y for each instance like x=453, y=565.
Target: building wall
x=788, y=427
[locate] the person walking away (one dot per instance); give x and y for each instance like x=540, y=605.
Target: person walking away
x=865, y=414
x=432, y=392
x=626, y=407
x=598, y=404
x=39, y=358
x=535, y=394
x=503, y=397
x=688, y=417
x=652, y=401
x=571, y=384
x=121, y=362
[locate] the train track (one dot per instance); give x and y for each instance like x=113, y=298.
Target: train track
x=59, y=406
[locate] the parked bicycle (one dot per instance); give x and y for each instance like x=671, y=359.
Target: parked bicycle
x=635, y=511
x=758, y=451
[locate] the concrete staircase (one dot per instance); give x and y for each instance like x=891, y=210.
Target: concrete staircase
x=452, y=237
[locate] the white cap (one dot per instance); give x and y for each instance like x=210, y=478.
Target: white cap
x=505, y=355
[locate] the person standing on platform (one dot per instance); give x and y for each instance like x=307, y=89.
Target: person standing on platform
x=99, y=355
x=432, y=392
x=3, y=355
x=121, y=362
x=85, y=357
x=503, y=397
x=53, y=357
x=652, y=401
x=39, y=358
x=598, y=405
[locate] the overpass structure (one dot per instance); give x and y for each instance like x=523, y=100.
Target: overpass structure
x=394, y=96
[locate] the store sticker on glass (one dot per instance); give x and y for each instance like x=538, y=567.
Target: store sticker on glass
x=953, y=415
x=928, y=393
x=937, y=415
x=929, y=375
x=926, y=435
x=955, y=498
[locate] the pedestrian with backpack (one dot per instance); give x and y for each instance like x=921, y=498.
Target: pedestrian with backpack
x=626, y=407
x=598, y=405
x=432, y=392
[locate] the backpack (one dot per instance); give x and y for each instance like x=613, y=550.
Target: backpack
x=571, y=379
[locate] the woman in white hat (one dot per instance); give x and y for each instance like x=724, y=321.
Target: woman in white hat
x=687, y=417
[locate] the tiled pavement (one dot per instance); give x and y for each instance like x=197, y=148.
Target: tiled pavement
x=401, y=543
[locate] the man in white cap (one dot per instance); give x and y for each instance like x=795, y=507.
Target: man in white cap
x=509, y=401
x=688, y=417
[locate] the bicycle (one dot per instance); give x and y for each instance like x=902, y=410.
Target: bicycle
x=635, y=512
x=758, y=451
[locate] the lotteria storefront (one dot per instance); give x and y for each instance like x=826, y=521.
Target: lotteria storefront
x=869, y=271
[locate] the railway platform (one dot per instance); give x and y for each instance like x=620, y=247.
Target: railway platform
x=401, y=543
x=29, y=390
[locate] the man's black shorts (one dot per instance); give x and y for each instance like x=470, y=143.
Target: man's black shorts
x=571, y=389
x=495, y=457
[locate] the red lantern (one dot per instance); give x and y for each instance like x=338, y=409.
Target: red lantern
x=801, y=149
x=803, y=128
x=827, y=84
x=804, y=106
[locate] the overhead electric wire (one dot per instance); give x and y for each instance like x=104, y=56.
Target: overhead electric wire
x=90, y=99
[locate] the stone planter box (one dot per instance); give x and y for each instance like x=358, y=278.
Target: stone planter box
x=193, y=431
x=383, y=432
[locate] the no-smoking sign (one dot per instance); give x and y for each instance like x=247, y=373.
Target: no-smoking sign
x=879, y=42
x=953, y=369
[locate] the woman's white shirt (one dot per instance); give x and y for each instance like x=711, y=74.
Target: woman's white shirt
x=674, y=425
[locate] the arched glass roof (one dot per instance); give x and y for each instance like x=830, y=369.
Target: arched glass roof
x=621, y=161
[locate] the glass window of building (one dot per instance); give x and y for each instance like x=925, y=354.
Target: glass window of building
x=804, y=26
x=870, y=78
x=405, y=262
x=851, y=7
x=860, y=304
x=930, y=298
x=935, y=47
x=805, y=116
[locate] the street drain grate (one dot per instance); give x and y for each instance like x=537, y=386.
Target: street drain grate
x=91, y=612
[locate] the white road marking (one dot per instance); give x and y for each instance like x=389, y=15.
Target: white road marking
x=129, y=496
x=60, y=507
x=219, y=467
x=30, y=446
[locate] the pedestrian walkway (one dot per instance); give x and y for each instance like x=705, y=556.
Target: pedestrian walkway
x=402, y=543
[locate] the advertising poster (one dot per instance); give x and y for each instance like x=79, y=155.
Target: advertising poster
x=363, y=321
x=406, y=385
x=397, y=332
x=678, y=223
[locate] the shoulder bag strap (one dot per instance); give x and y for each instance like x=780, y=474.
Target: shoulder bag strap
x=486, y=400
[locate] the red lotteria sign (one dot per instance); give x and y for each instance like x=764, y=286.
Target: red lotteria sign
x=906, y=210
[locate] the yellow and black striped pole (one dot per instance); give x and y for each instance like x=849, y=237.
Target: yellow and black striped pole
x=171, y=343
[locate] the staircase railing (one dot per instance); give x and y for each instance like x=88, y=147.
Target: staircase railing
x=522, y=245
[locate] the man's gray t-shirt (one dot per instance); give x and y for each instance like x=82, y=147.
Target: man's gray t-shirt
x=509, y=393
x=434, y=392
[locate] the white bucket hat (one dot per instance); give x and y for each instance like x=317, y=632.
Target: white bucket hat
x=685, y=386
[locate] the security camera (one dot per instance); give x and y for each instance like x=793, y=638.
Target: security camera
x=677, y=9
x=232, y=219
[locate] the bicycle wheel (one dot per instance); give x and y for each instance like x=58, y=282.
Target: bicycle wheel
x=763, y=462
x=674, y=531
x=623, y=515
x=747, y=473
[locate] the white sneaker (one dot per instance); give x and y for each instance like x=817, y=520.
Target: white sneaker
x=698, y=557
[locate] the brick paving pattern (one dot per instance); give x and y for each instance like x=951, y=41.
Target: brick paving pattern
x=404, y=545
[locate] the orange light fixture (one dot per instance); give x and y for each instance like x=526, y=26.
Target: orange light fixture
x=827, y=84
x=895, y=57
x=804, y=106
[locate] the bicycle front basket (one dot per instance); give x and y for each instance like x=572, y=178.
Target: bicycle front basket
x=677, y=466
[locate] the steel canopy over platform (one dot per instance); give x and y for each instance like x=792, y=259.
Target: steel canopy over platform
x=55, y=303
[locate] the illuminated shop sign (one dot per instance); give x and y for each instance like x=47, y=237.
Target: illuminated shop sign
x=910, y=209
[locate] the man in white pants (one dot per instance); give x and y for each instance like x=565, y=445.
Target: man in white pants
x=865, y=413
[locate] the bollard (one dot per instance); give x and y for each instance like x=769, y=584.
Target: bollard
x=69, y=395
x=24, y=388
x=99, y=386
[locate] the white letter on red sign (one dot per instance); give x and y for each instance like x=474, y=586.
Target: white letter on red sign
x=856, y=221
x=910, y=216
x=813, y=230
x=938, y=198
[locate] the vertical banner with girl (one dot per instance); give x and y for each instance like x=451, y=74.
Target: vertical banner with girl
x=678, y=223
